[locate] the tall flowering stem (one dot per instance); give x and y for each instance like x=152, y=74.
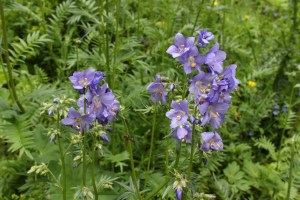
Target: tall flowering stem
x=62, y=158
x=209, y=92
x=128, y=139
x=152, y=139
x=92, y=169
x=96, y=104
x=192, y=145
x=84, y=149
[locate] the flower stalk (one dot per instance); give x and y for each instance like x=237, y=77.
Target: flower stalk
x=62, y=158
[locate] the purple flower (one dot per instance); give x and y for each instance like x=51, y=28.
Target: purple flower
x=214, y=59
x=191, y=60
x=181, y=45
x=223, y=84
x=226, y=82
x=276, y=110
x=111, y=111
x=214, y=114
x=104, y=137
x=199, y=86
x=182, y=133
x=203, y=38
x=98, y=77
x=178, y=193
x=76, y=120
x=82, y=80
x=172, y=87
x=211, y=141
x=179, y=113
x=157, y=90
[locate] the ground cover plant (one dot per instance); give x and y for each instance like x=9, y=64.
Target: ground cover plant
x=153, y=99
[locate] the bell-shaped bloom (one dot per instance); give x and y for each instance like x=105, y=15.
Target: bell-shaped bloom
x=179, y=113
x=211, y=141
x=191, y=60
x=157, y=90
x=214, y=114
x=77, y=121
x=104, y=137
x=82, y=80
x=181, y=45
x=203, y=38
x=182, y=133
x=214, y=59
x=178, y=193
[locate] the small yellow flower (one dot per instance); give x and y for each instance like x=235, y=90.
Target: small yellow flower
x=246, y=17
x=216, y=3
x=251, y=83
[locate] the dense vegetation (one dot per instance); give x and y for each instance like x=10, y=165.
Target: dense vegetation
x=44, y=42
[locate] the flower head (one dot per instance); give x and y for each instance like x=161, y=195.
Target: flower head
x=211, y=141
x=179, y=113
x=182, y=133
x=214, y=59
x=214, y=114
x=191, y=60
x=157, y=90
x=181, y=45
x=203, y=38
x=82, y=80
x=76, y=120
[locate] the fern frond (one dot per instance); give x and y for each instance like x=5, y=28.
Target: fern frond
x=18, y=135
x=22, y=49
x=266, y=144
x=21, y=8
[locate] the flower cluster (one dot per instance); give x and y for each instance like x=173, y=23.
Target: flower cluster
x=209, y=88
x=98, y=103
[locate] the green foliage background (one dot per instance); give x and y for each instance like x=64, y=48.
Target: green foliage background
x=127, y=40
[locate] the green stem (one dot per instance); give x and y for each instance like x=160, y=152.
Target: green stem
x=6, y=58
x=62, y=158
x=192, y=146
x=116, y=48
x=167, y=155
x=283, y=130
x=223, y=27
x=84, y=149
x=152, y=138
x=129, y=149
x=92, y=170
x=156, y=190
x=197, y=17
x=291, y=169
x=178, y=149
x=107, y=47
x=55, y=179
